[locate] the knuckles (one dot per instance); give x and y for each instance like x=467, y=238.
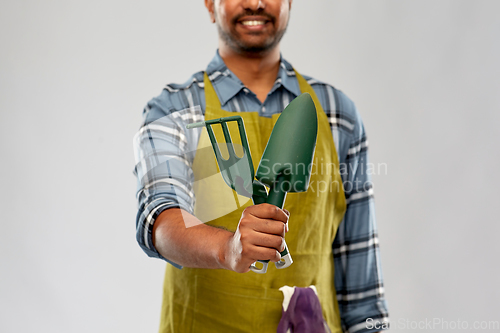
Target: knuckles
x=270, y=210
x=264, y=210
x=245, y=251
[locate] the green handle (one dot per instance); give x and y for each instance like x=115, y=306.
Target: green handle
x=277, y=196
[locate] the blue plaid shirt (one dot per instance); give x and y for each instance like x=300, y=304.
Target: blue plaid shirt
x=162, y=137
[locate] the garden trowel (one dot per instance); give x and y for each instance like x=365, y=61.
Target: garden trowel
x=285, y=164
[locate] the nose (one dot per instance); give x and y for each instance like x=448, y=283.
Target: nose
x=254, y=4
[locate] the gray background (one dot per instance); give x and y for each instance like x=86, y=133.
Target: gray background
x=75, y=75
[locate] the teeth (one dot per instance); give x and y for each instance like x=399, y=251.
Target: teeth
x=253, y=22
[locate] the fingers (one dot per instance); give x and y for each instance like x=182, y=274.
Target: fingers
x=267, y=241
x=262, y=229
x=254, y=227
x=264, y=253
x=241, y=252
x=268, y=227
x=255, y=240
x=259, y=236
x=266, y=218
x=268, y=211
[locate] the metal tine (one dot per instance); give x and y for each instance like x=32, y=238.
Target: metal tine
x=230, y=170
x=227, y=136
x=244, y=143
x=221, y=161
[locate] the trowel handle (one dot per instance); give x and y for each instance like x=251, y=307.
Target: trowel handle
x=259, y=193
x=286, y=259
x=258, y=270
x=259, y=196
x=277, y=196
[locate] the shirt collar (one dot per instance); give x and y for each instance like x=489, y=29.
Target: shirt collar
x=287, y=78
x=227, y=84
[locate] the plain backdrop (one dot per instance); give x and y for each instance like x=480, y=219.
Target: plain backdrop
x=75, y=75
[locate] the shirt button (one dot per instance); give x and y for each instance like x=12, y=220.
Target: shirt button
x=263, y=109
x=246, y=90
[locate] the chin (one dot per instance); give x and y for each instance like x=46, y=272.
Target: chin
x=261, y=47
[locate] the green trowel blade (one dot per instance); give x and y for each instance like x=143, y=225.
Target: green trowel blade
x=290, y=149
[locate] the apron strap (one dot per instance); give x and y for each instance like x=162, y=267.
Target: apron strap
x=340, y=203
x=307, y=88
x=211, y=99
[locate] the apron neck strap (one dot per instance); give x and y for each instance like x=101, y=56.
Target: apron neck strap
x=211, y=99
x=307, y=88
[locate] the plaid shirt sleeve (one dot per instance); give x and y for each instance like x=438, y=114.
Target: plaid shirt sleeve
x=164, y=153
x=358, y=274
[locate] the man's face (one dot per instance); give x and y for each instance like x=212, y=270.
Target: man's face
x=250, y=26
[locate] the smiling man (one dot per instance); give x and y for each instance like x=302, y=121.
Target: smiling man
x=330, y=230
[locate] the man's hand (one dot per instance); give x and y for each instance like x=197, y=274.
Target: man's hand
x=185, y=240
x=259, y=236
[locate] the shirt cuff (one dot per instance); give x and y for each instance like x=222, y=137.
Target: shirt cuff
x=367, y=318
x=150, y=249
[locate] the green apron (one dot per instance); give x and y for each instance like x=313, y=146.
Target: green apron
x=216, y=300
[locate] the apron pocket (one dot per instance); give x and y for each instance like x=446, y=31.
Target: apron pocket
x=227, y=307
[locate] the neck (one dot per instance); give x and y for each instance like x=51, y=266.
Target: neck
x=256, y=72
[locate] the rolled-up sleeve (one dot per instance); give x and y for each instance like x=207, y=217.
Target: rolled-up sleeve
x=164, y=152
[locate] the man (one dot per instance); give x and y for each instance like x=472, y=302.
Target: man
x=248, y=77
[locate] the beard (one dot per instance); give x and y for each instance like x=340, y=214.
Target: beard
x=261, y=46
